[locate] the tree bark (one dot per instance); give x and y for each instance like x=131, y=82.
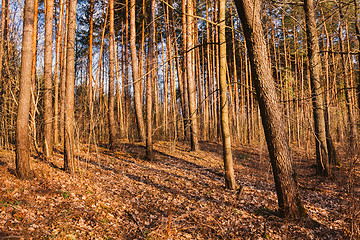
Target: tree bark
x=191, y=76
x=185, y=92
x=149, y=80
x=317, y=95
x=135, y=71
x=23, y=169
x=48, y=115
x=90, y=56
x=63, y=58
x=69, y=164
x=59, y=39
x=230, y=182
x=357, y=29
x=111, y=114
x=286, y=187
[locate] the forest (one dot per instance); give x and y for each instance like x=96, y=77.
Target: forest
x=189, y=119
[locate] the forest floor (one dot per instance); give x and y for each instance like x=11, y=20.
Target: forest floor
x=180, y=195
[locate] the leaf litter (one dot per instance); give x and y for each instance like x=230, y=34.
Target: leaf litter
x=180, y=195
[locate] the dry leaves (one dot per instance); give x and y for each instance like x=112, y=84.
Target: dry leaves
x=180, y=195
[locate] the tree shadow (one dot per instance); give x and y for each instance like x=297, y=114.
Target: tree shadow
x=162, y=158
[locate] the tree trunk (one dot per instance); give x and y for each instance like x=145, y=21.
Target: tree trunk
x=286, y=187
x=90, y=56
x=230, y=182
x=149, y=80
x=322, y=158
x=135, y=71
x=48, y=116
x=23, y=169
x=59, y=39
x=357, y=29
x=33, y=106
x=69, y=164
x=185, y=92
x=111, y=98
x=63, y=76
x=191, y=76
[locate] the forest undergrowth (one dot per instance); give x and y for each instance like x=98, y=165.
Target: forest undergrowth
x=180, y=195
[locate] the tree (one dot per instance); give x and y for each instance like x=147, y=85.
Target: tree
x=149, y=81
x=289, y=200
x=23, y=169
x=70, y=83
x=190, y=65
x=48, y=116
x=111, y=114
x=135, y=70
x=230, y=182
x=322, y=157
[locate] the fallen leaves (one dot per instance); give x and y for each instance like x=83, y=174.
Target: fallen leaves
x=179, y=195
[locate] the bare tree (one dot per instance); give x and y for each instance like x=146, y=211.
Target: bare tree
x=230, y=182
x=111, y=114
x=190, y=65
x=135, y=71
x=48, y=116
x=286, y=187
x=322, y=157
x=149, y=80
x=23, y=169
x=70, y=83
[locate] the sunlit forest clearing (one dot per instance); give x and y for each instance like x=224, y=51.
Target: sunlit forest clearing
x=191, y=119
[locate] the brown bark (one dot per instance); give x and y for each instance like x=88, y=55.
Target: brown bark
x=357, y=29
x=4, y=10
x=135, y=71
x=149, y=80
x=317, y=90
x=330, y=144
x=33, y=106
x=69, y=164
x=230, y=182
x=185, y=92
x=191, y=76
x=63, y=58
x=48, y=115
x=111, y=106
x=90, y=56
x=23, y=169
x=59, y=39
x=286, y=187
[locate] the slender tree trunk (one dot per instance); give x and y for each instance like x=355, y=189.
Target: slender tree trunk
x=230, y=182
x=69, y=163
x=63, y=76
x=185, y=93
x=322, y=158
x=357, y=29
x=4, y=10
x=329, y=141
x=286, y=187
x=149, y=80
x=33, y=106
x=23, y=169
x=191, y=76
x=90, y=56
x=111, y=114
x=48, y=115
x=135, y=71
x=59, y=39
x=126, y=72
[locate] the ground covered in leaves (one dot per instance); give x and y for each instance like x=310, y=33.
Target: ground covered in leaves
x=180, y=195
